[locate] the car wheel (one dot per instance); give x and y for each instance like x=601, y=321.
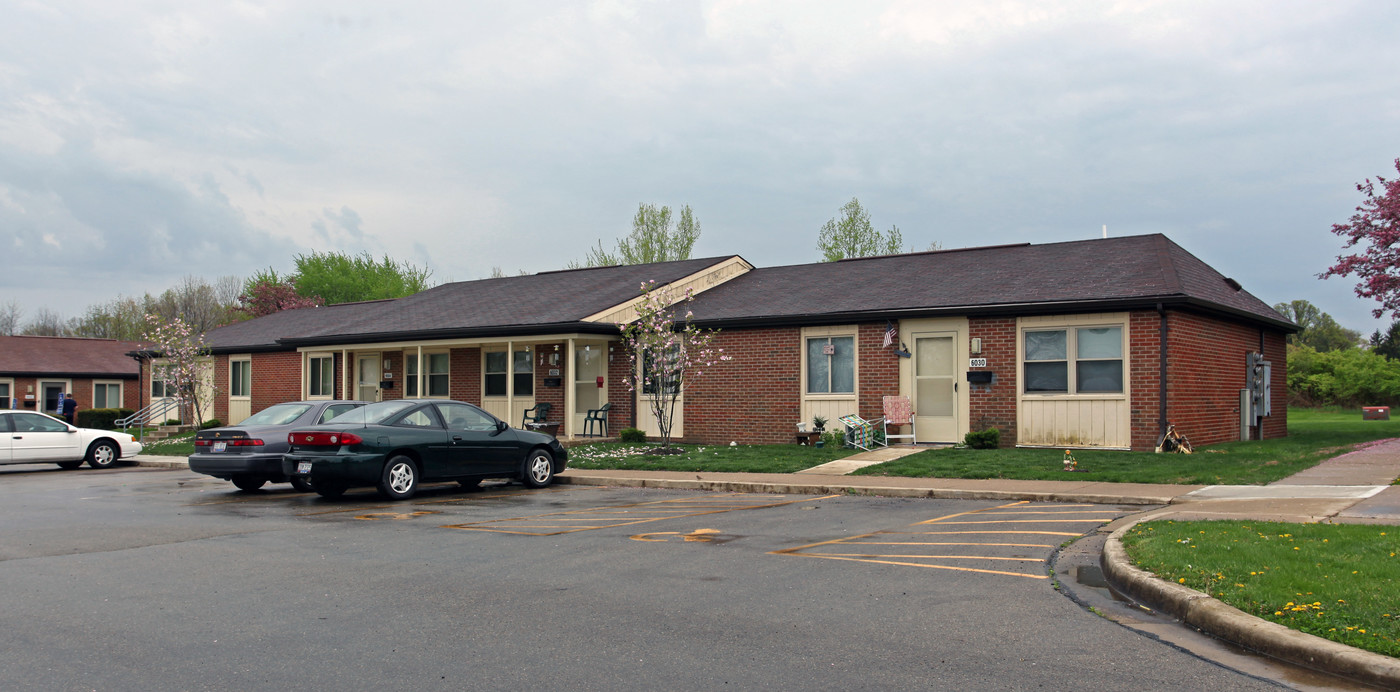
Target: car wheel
x=302, y=484
x=331, y=490
x=102, y=454
x=249, y=483
x=469, y=482
x=539, y=468
x=399, y=480
x=70, y=465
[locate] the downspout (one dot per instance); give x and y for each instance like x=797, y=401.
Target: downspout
x=1162, y=372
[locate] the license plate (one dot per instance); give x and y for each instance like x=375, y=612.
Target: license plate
x=220, y=446
x=303, y=467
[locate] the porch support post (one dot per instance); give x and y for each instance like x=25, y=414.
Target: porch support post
x=569, y=389
x=419, y=375
x=510, y=380
x=345, y=375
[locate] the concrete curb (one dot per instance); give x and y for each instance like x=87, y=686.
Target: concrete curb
x=1219, y=620
x=855, y=489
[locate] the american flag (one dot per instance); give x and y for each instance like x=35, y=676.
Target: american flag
x=890, y=334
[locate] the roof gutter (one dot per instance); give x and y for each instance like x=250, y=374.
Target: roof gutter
x=455, y=333
x=997, y=310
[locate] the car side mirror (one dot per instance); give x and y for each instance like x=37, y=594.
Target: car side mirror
x=501, y=426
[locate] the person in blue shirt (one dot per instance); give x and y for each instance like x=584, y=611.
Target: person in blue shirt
x=69, y=408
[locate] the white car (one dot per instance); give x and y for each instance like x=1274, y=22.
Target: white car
x=27, y=437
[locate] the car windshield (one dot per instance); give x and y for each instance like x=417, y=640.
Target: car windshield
x=371, y=414
x=279, y=414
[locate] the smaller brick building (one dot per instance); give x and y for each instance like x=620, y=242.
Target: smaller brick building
x=1096, y=343
x=36, y=371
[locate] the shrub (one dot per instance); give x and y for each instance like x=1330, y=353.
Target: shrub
x=984, y=439
x=211, y=423
x=632, y=435
x=834, y=438
x=172, y=421
x=101, y=418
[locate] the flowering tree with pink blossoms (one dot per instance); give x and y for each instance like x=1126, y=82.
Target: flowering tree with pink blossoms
x=1377, y=223
x=665, y=354
x=181, y=351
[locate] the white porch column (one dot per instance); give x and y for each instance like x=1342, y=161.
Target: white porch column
x=569, y=386
x=419, y=374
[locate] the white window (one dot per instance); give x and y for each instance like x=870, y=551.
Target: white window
x=320, y=370
x=240, y=380
x=522, y=374
x=437, y=380
x=831, y=365
x=1079, y=360
x=107, y=395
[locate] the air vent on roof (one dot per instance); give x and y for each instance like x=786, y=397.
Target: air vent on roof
x=1232, y=283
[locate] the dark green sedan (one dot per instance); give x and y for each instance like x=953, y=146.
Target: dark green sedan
x=395, y=445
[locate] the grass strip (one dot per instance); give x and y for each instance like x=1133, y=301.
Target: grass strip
x=1313, y=436
x=1337, y=581
x=710, y=458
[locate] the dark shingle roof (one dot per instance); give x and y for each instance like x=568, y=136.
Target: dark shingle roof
x=551, y=301
x=1089, y=275
x=1112, y=273
x=67, y=357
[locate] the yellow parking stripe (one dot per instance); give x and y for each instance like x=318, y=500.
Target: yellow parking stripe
x=658, y=510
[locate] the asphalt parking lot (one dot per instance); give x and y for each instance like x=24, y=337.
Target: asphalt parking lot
x=164, y=579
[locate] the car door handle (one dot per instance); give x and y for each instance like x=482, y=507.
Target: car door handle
x=456, y=438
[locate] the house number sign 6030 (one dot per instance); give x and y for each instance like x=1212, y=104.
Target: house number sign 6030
x=976, y=362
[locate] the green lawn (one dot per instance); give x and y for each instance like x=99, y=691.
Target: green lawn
x=714, y=458
x=181, y=446
x=1313, y=436
x=1337, y=581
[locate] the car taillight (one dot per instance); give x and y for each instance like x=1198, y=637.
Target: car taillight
x=323, y=439
x=231, y=443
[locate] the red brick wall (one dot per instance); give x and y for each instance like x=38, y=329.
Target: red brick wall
x=994, y=405
x=1144, y=378
x=277, y=378
x=621, y=397
x=1205, y=372
x=753, y=398
x=465, y=366
x=221, y=389
x=878, y=370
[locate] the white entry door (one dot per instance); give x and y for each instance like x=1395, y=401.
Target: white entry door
x=367, y=378
x=936, y=387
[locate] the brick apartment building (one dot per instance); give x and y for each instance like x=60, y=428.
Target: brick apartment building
x=1096, y=343
x=36, y=371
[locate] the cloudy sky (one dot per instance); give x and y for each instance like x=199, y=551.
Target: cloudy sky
x=144, y=141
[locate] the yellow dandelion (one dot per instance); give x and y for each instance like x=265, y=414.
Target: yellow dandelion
x=1181, y=580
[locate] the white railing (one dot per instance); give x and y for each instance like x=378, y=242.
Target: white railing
x=158, y=410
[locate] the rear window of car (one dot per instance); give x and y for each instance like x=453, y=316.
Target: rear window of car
x=335, y=410
x=372, y=414
x=277, y=414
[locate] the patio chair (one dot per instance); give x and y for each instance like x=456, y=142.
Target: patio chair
x=860, y=433
x=536, y=413
x=599, y=416
x=899, y=411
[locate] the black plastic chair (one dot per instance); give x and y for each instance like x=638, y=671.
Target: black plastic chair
x=536, y=413
x=599, y=416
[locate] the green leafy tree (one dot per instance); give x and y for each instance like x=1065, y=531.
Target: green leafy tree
x=1387, y=344
x=852, y=235
x=1348, y=377
x=337, y=277
x=653, y=239
x=1320, y=332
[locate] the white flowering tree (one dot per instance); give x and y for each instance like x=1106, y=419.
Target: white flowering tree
x=666, y=354
x=181, y=352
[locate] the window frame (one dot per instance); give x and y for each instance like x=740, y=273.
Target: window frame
x=326, y=388
x=807, y=340
x=246, y=380
x=512, y=376
x=1072, y=359
x=107, y=385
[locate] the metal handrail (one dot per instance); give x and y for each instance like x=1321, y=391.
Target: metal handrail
x=150, y=413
